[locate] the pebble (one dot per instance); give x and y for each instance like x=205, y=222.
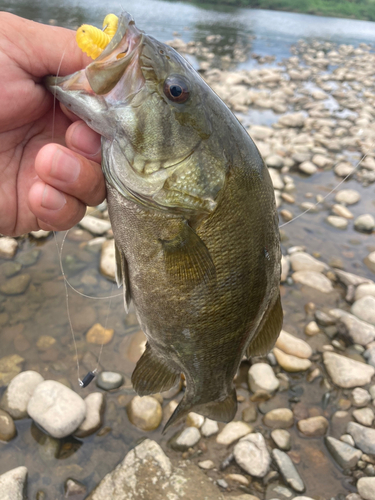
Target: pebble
x=19, y=392
x=360, y=397
x=364, y=223
x=109, y=380
x=307, y=167
x=345, y=455
x=99, y=335
x=302, y=261
x=291, y=363
x=337, y=221
x=347, y=196
x=314, y=280
x=249, y=413
x=9, y=368
x=238, y=478
x=364, y=416
x=366, y=488
x=342, y=211
x=40, y=234
x=287, y=470
x=209, y=428
x=365, y=289
x=194, y=420
x=145, y=413
x=343, y=169
x=364, y=437
x=370, y=261
x=232, y=432
x=13, y=484
x=94, y=225
x=94, y=412
x=347, y=438
x=262, y=377
x=293, y=345
x=7, y=427
x=8, y=247
x=186, y=439
x=16, y=285
x=45, y=342
x=56, y=408
x=275, y=161
x=282, y=439
x=276, y=179
x=360, y=332
x=313, y=426
x=206, y=464
x=108, y=260
x=252, y=456
x=28, y=258
x=364, y=309
x=293, y=120
x=281, y=418
x=346, y=372
x=73, y=488
x=312, y=328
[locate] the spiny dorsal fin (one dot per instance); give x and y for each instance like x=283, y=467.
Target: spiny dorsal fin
x=187, y=258
x=268, y=332
x=122, y=276
x=152, y=375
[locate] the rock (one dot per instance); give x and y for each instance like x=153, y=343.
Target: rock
x=343, y=169
x=10, y=268
x=364, y=309
x=347, y=438
x=147, y=473
x=232, y=432
x=238, y=478
x=40, y=234
x=344, y=454
x=261, y=377
x=29, y=258
x=346, y=372
x=13, y=484
x=351, y=279
x=209, y=428
x=360, y=397
x=292, y=120
x=291, y=363
x=370, y=261
x=109, y=380
x=9, y=368
x=312, y=328
x=364, y=223
x=185, y=439
x=364, y=437
x=95, y=225
x=302, y=261
x=16, y=285
x=366, y=488
x=108, y=260
x=252, y=456
x=281, y=418
x=56, y=408
x=194, y=420
x=276, y=179
x=285, y=266
x=99, y=335
x=45, y=342
x=7, y=427
x=307, y=167
x=8, y=247
x=206, y=464
x=337, y=222
x=342, y=211
x=282, y=439
x=314, y=280
x=145, y=413
x=94, y=413
x=73, y=488
x=19, y=392
x=260, y=132
x=293, y=345
x=347, y=196
x=364, y=416
x=365, y=289
x=275, y=161
x=359, y=331
x=249, y=413
x=313, y=426
x=287, y=470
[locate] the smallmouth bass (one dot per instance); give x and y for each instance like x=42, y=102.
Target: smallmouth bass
x=193, y=214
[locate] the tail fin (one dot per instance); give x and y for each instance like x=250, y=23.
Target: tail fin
x=223, y=410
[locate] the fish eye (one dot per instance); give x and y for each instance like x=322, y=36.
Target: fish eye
x=176, y=89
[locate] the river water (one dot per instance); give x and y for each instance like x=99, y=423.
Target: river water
x=42, y=310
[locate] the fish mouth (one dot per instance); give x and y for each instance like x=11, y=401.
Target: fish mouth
x=102, y=75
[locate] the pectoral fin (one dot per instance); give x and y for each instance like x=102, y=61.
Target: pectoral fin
x=122, y=276
x=268, y=332
x=187, y=258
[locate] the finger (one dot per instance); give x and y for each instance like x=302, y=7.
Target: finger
x=71, y=173
x=56, y=210
x=82, y=139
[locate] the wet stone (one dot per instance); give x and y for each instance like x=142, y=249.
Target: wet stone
x=364, y=309
x=94, y=225
x=288, y=470
x=108, y=260
x=370, y=261
x=364, y=437
x=291, y=363
x=99, y=335
x=307, y=167
x=346, y=372
x=366, y=488
x=16, y=285
x=364, y=223
x=9, y=269
x=232, y=432
x=8, y=247
x=313, y=427
x=249, y=413
x=262, y=377
x=19, y=392
x=364, y=416
x=293, y=345
x=94, y=412
x=360, y=397
x=186, y=439
x=73, y=488
x=194, y=420
x=28, y=258
x=314, y=280
x=209, y=428
x=252, y=456
x=109, y=380
x=312, y=328
x=302, y=261
x=13, y=484
x=281, y=418
x=282, y=439
x=7, y=427
x=145, y=413
x=365, y=289
x=360, y=332
x=347, y=196
x=9, y=368
x=206, y=464
x=337, y=221
x=45, y=342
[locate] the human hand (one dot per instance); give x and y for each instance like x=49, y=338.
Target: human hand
x=43, y=184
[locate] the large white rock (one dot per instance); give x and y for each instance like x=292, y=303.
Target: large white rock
x=13, y=484
x=293, y=345
x=302, y=261
x=366, y=488
x=346, y=372
x=359, y=331
x=365, y=289
x=94, y=412
x=364, y=309
x=232, y=432
x=364, y=437
x=19, y=392
x=251, y=455
x=56, y=408
x=261, y=377
x=314, y=280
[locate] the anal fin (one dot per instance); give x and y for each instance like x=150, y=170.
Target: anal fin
x=152, y=375
x=268, y=331
x=122, y=276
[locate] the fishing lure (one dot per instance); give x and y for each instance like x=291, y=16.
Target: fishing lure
x=92, y=40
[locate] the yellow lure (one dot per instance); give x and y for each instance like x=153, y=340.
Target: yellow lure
x=92, y=40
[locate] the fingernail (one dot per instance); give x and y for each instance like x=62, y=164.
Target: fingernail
x=52, y=199
x=86, y=140
x=65, y=166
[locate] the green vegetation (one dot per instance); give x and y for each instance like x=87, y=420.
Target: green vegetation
x=355, y=9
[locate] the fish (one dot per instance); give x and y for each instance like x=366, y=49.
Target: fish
x=193, y=214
